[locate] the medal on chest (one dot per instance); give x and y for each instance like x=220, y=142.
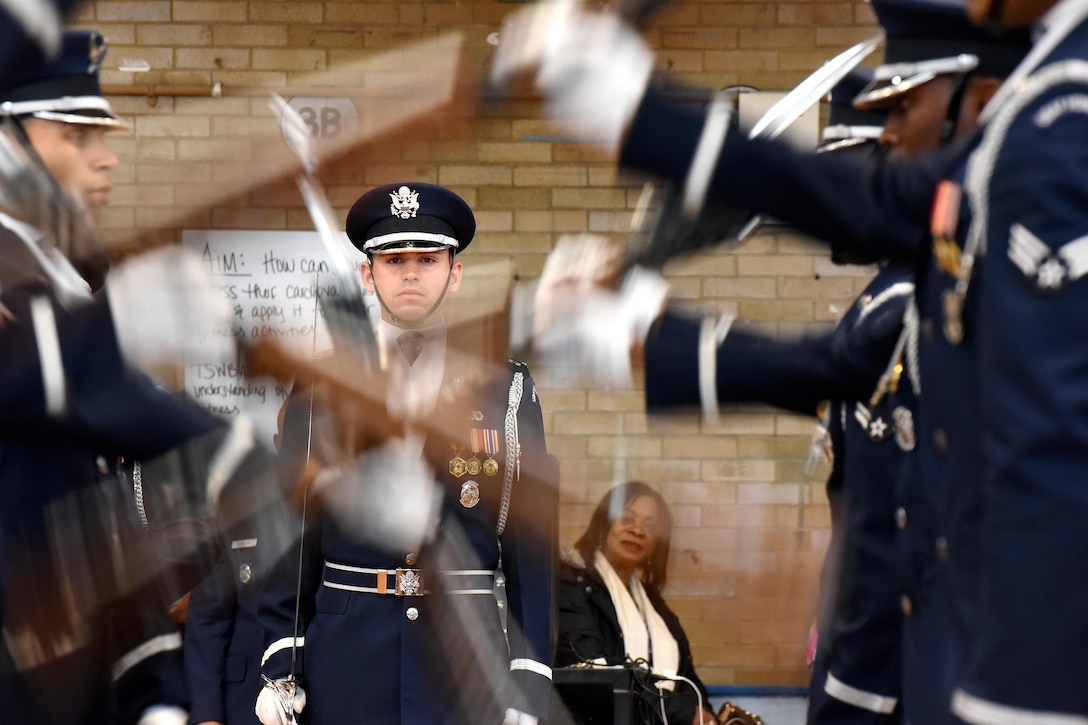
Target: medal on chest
x=466, y=460
x=943, y=222
x=484, y=440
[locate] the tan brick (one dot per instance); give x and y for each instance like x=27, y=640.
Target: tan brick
x=515, y=153
x=842, y=38
x=550, y=175
x=504, y=197
x=345, y=13
x=736, y=15
x=624, y=446
x=591, y=199
x=248, y=218
x=773, y=265
x=212, y=58
x=677, y=14
x=815, y=14
x=677, y=60
x=775, y=309
x=394, y=36
x=436, y=14
x=298, y=59
x=173, y=126
x=734, y=287
x=302, y=11
x=474, y=175
x=740, y=61
x=194, y=173
x=830, y=288
x=250, y=35
x=133, y=12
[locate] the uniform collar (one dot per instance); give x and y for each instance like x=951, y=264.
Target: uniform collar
x=65, y=280
x=432, y=334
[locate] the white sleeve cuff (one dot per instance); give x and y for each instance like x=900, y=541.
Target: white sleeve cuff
x=719, y=115
x=539, y=668
x=711, y=336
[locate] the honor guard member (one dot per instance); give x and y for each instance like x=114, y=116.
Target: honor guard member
x=371, y=643
x=857, y=670
x=73, y=401
x=223, y=637
x=1022, y=264
x=914, y=211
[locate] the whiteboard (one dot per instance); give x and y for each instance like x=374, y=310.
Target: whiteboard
x=273, y=280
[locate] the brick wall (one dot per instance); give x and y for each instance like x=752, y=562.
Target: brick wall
x=752, y=525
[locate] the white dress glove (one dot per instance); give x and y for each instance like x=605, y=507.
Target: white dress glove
x=517, y=717
x=164, y=715
x=587, y=328
x=275, y=704
x=165, y=307
x=593, y=67
x=386, y=497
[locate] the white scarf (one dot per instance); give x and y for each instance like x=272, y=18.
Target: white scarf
x=643, y=628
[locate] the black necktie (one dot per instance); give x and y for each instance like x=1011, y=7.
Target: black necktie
x=411, y=344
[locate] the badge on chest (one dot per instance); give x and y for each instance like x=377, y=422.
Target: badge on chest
x=477, y=457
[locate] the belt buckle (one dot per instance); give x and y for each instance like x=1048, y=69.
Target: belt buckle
x=409, y=583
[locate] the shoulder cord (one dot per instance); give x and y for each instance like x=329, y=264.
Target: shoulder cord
x=513, y=448
x=138, y=492
x=981, y=165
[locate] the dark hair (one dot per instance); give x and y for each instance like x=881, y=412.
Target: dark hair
x=609, y=510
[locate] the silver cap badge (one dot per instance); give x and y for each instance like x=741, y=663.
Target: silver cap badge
x=405, y=203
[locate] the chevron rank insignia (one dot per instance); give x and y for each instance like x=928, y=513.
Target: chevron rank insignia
x=1050, y=269
x=877, y=428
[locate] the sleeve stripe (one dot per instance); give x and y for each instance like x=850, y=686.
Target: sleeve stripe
x=711, y=336
x=150, y=648
x=282, y=644
x=718, y=117
x=539, y=668
x=978, y=710
x=45, y=334
x=870, y=701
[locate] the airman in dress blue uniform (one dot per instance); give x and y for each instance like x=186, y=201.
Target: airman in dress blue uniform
x=223, y=637
x=371, y=643
x=73, y=610
x=856, y=675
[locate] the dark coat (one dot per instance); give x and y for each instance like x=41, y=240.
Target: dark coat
x=1000, y=421
x=401, y=656
x=589, y=629
x=79, y=600
x=223, y=639
x=856, y=677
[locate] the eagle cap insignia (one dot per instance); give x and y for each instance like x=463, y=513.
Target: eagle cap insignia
x=405, y=203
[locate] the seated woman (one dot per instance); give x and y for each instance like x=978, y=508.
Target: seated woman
x=611, y=612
